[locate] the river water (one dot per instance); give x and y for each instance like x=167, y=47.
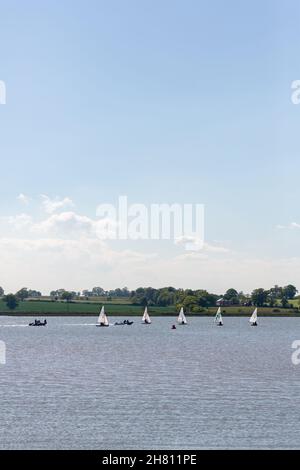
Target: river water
x=71, y=385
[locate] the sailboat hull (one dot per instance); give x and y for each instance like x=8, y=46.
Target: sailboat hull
x=104, y=326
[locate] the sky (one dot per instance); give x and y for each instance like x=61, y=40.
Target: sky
x=164, y=102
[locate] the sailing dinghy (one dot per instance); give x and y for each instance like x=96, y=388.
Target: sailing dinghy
x=146, y=318
x=102, y=319
x=253, y=318
x=218, y=317
x=181, y=317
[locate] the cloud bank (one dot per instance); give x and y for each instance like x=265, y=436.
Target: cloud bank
x=64, y=249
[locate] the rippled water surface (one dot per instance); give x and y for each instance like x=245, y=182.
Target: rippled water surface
x=72, y=385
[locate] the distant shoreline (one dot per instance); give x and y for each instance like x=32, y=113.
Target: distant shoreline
x=92, y=309
x=168, y=315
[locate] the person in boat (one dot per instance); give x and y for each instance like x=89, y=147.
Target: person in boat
x=254, y=323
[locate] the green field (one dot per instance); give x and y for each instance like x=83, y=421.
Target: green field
x=79, y=308
x=82, y=308
x=98, y=300
x=262, y=312
x=295, y=302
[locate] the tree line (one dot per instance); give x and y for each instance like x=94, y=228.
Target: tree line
x=197, y=300
x=191, y=300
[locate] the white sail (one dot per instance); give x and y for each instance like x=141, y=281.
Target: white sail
x=218, y=317
x=146, y=318
x=253, y=318
x=102, y=319
x=181, y=317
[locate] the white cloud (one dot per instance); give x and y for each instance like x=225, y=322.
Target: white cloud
x=17, y=222
x=71, y=224
x=52, y=262
x=23, y=199
x=65, y=224
x=217, y=274
x=292, y=225
x=200, y=245
x=65, y=250
x=189, y=242
x=52, y=205
x=192, y=256
x=215, y=248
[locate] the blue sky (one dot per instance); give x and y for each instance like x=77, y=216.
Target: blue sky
x=164, y=101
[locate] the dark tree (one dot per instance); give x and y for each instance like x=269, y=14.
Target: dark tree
x=284, y=302
x=232, y=296
x=289, y=291
x=259, y=297
x=22, y=294
x=11, y=301
x=68, y=296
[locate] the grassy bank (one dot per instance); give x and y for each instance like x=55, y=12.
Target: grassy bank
x=82, y=308
x=48, y=308
x=263, y=311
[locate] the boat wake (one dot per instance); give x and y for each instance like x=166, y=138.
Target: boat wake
x=13, y=326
